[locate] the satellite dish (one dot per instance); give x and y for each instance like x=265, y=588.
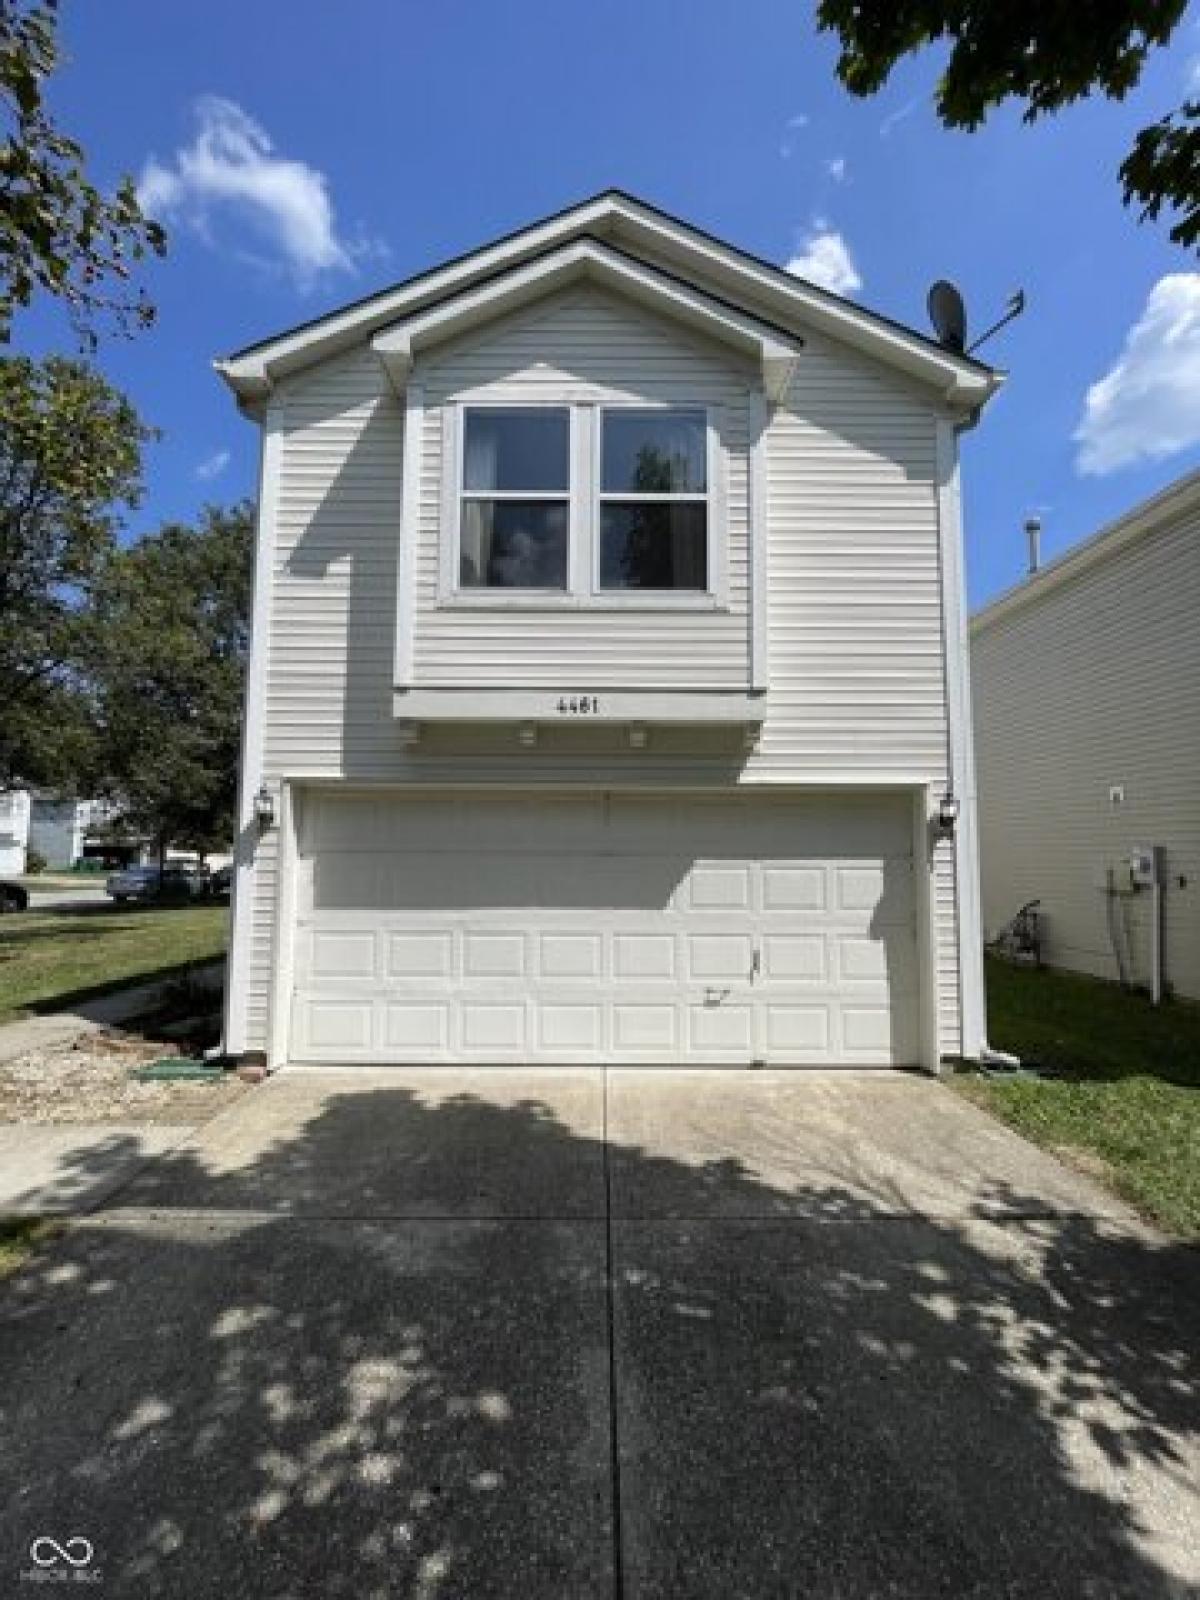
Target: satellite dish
x=948, y=315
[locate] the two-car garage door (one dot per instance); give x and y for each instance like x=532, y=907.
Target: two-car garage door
x=507, y=926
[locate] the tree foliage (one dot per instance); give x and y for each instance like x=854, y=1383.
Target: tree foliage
x=58, y=232
x=173, y=615
x=70, y=462
x=1163, y=169
x=1047, y=53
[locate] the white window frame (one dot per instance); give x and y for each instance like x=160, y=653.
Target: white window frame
x=549, y=496
x=583, y=591
x=714, y=562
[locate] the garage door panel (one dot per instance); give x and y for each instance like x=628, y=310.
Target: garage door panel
x=717, y=888
x=492, y=820
x=886, y=958
x=795, y=958
x=566, y=1029
x=725, y=1031
x=416, y=1030
x=642, y=1028
x=799, y=1031
x=337, y=1026
x=868, y=1030
x=568, y=957
x=494, y=955
x=881, y=889
x=644, y=956
x=342, y=953
x=471, y=880
x=570, y=938
x=498, y=1026
x=718, y=958
x=419, y=956
x=794, y=888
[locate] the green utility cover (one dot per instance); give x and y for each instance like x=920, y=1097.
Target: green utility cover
x=176, y=1067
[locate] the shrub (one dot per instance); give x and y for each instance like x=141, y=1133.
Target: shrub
x=35, y=861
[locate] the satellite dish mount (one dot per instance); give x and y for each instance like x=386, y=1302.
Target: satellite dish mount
x=948, y=315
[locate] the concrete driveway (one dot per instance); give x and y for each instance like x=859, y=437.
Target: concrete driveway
x=569, y=1335
x=68, y=899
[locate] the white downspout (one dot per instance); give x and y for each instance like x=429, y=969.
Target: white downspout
x=961, y=754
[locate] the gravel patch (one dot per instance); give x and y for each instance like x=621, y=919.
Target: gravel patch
x=89, y=1081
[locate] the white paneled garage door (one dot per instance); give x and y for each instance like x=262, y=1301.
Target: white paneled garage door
x=519, y=927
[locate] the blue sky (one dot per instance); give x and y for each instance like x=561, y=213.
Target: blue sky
x=305, y=153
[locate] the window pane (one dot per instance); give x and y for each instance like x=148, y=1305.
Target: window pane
x=653, y=546
x=513, y=544
x=518, y=449
x=654, y=452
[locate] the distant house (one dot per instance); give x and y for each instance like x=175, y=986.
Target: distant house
x=63, y=832
x=607, y=696
x=1086, y=684
x=14, y=831
x=59, y=829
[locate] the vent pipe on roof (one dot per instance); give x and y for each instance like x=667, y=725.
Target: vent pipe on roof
x=1033, y=532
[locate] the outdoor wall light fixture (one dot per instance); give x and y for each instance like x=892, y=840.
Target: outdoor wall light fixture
x=264, y=808
x=947, y=812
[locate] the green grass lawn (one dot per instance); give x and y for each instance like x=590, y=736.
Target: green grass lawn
x=1126, y=1099
x=49, y=958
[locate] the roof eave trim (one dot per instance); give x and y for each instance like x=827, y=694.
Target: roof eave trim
x=1177, y=499
x=964, y=382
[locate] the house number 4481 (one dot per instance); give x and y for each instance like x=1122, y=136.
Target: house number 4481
x=578, y=705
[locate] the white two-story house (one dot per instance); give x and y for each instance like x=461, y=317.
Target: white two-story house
x=608, y=695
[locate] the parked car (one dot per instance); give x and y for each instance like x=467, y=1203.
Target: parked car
x=13, y=897
x=149, y=883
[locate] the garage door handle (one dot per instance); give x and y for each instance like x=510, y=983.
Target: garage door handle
x=713, y=997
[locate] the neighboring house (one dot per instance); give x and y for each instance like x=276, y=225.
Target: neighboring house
x=14, y=831
x=1087, y=726
x=608, y=678
x=59, y=829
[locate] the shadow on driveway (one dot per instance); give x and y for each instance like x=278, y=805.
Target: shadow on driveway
x=516, y=1362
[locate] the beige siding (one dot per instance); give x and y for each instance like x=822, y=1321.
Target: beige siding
x=1092, y=684
x=857, y=685
x=588, y=345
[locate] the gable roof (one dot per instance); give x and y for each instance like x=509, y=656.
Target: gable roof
x=1178, y=499
x=775, y=351
x=667, y=246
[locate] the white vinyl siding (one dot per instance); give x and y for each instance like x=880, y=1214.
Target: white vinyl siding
x=854, y=587
x=855, y=651
x=1092, y=684
x=584, y=345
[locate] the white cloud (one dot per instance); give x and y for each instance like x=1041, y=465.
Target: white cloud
x=792, y=128
x=901, y=114
x=824, y=258
x=232, y=171
x=1148, y=405
x=212, y=466
x=836, y=168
